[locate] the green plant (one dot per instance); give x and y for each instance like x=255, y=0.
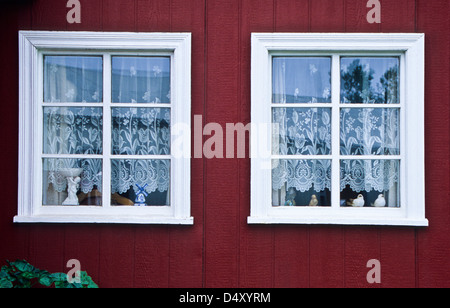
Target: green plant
x=21, y=274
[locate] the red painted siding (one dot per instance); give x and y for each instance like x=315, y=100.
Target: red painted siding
x=221, y=249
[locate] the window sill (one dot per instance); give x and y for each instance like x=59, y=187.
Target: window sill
x=138, y=220
x=338, y=221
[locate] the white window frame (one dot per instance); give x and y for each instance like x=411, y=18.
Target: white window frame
x=410, y=49
x=32, y=46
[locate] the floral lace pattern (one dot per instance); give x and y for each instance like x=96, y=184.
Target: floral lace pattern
x=368, y=175
x=141, y=131
x=369, y=131
x=125, y=174
x=302, y=174
x=302, y=131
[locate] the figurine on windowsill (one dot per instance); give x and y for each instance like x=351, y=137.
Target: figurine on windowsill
x=314, y=201
x=290, y=201
x=358, y=202
x=380, y=202
x=141, y=195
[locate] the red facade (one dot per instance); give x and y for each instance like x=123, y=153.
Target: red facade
x=221, y=249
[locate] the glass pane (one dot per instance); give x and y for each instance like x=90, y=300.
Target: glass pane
x=73, y=79
x=370, y=131
x=141, y=131
x=301, y=80
x=370, y=183
x=302, y=131
x=73, y=130
x=370, y=80
x=72, y=182
x=140, y=182
x=141, y=79
x=301, y=182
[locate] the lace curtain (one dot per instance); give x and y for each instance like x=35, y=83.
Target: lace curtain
x=79, y=130
x=307, y=131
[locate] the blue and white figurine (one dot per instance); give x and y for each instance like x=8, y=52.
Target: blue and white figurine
x=140, y=196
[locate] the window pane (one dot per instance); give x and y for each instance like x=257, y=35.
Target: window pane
x=370, y=183
x=301, y=80
x=73, y=79
x=302, y=131
x=370, y=80
x=301, y=182
x=141, y=131
x=140, y=182
x=73, y=130
x=370, y=131
x=141, y=79
x=72, y=182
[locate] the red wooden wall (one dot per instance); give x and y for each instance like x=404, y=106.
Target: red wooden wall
x=221, y=249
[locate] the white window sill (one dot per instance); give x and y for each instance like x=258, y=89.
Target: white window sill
x=338, y=221
x=142, y=220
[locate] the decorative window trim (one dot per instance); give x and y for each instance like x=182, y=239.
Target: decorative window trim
x=31, y=46
x=411, y=49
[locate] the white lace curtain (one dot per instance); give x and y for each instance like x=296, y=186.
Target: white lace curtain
x=307, y=131
x=135, y=131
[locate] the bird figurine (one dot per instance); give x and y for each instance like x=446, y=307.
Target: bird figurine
x=380, y=202
x=314, y=201
x=358, y=202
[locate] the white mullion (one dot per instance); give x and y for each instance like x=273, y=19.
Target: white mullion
x=336, y=128
x=106, y=178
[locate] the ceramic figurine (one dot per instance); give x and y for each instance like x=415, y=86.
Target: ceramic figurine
x=291, y=197
x=73, y=180
x=380, y=202
x=358, y=202
x=141, y=195
x=314, y=201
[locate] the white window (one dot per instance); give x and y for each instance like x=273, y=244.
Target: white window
x=346, y=115
x=100, y=117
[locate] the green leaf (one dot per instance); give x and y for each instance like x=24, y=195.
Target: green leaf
x=5, y=284
x=45, y=279
x=23, y=266
x=59, y=277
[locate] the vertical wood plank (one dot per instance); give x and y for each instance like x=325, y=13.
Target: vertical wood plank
x=327, y=257
x=292, y=16
x=397, y=258
x=49, y=15
x=433, y=249
x=151, y=267
x=153, y=16
x=221, y=189
x=119, y=15
x=117, y=257
x=327, y=15
x=15, y=239
x=186, y=243
x=256, y=246
x=398, y=15
x=361, y=245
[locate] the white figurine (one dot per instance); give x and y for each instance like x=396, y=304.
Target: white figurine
x=380, y=202
x=72, y=183
x=358, y=202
